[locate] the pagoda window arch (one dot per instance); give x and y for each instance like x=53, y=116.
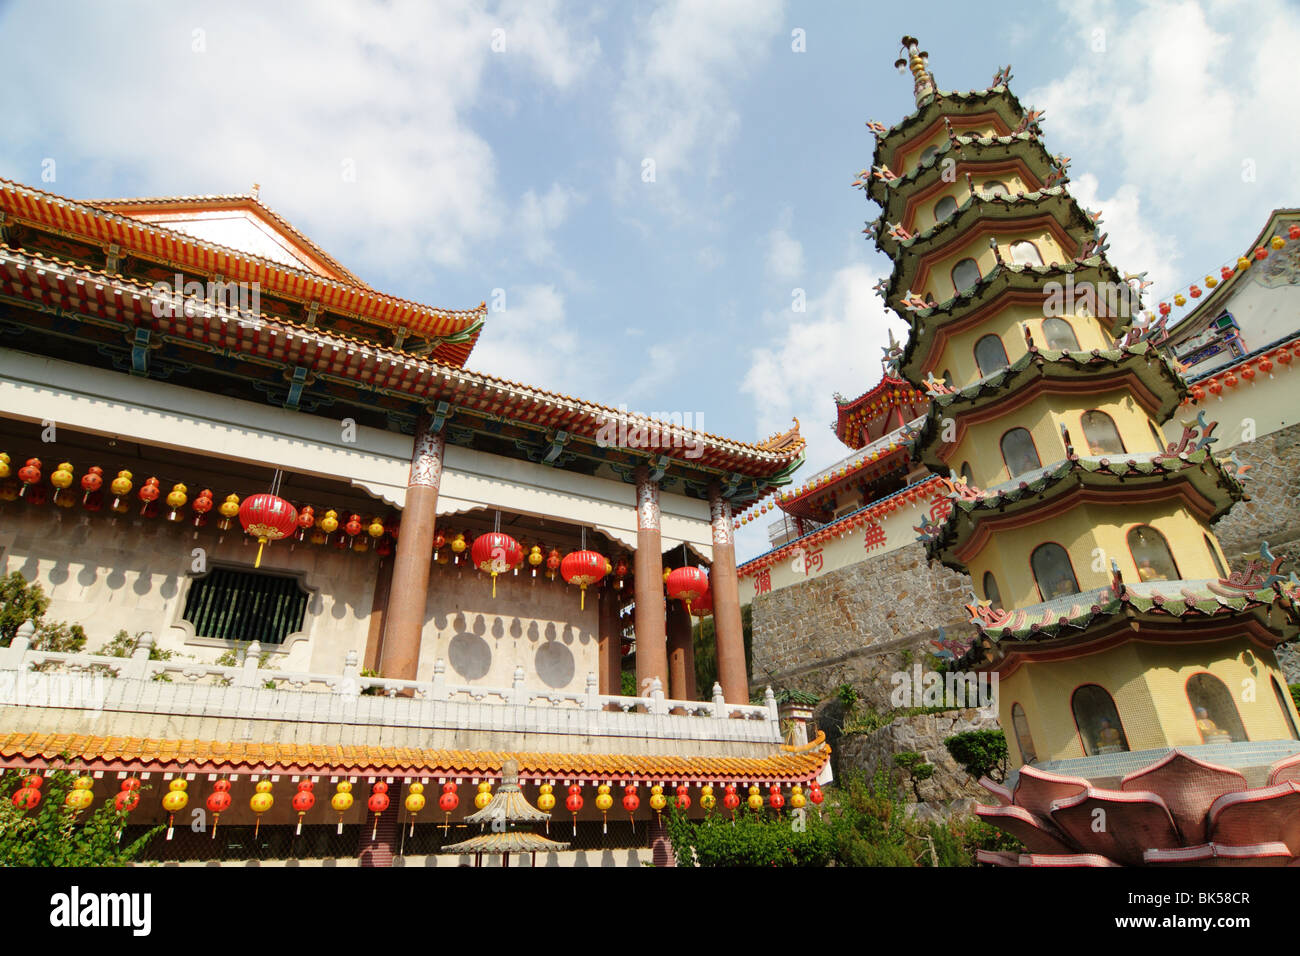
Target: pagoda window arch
x=1060, y=335
x=1101, y=434
x=990, y=354
x=1151, y=554
x=1019, y=452
x=1286, y=711
x=1158, y=437
x=995, y=187
x=928, y=154
x=991, y=593
x=965, y=274
x=1024, y=739
x=947, y=378
x=944, y=208
x=1216, y=715
x=1098, y=721
x=1214, y=556
x=967, y=475
x=1025, y=253
x=1053, y=572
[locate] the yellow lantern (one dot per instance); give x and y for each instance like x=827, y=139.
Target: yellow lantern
x=229, y=510
x=1277, y=242
x=707, y=800
x=1211, y=281
x=260, y=802
x=458, y=544
x=176, y=500
x=535, y=557
x=61, y=478
x=1180, y=299
x=657, y=799
x=330, y=523
x=603, y=802
x=375, y=528
x=667, y=571
x=414, y=802
x=797, y=799
x=341, y=802
x=546, y=802
x=755, y=800
x=1243, y=264
x=174, y=801
x=484, y=795
x=80, y=797
x=4, y=464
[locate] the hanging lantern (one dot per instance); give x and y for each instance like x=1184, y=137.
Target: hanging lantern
x=9, y=490
x=1261, y=253
x=260, y=802
x=1180, y=299
x=1293, y=231
x=1198, y=393
x=1266, y=365
x=414, y=802
x=341, y=802
x=683, y=799
x=29, y=474
x=201, y=505
x=625, y=648
x=361, y=545
x=630, y=801
x=377, y=804
x=129, y=797
x=376, y=528
x=1243, y=264
x=573, y=803
x=1215, y=387
x=687, y=584
x=707, y=800
x=484, y=795
x=1248, y=373
x=620, y=571
x=546, y=801
x=268, y=518
x=657, y=800
x=61, y=478
x=667, y=572
x=303, y=801
x=1277, y=242
x=458, y=546
x=496, y=553
x=383, y=547
x=176, y=499
x=552, y=563
x=80, y=797
x=306, y=519
x=815, y=793
x=229, y=510
x=731, y=800
x=439, y=542
x=535, y=557
x=1194, y=291
x=755, y=799
x=1231, y=380
x=702, y=606
x=603, y=802
x=174, y=801
x=149, y=493
x=583, y=568
x=352, y=528
x=797, y=799
x=448, y=802
x=28, y=796
x=1284, y=357
x=4, y=464
x=218, y=802
x=774, y=798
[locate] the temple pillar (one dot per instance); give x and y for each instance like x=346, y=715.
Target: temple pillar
x=681, y=653
x=378, y=612
x=410, y=582
x=725, y=585
x=651, y=633
x=609, y=672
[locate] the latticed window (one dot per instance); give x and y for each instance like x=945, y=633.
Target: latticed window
x=245, y=606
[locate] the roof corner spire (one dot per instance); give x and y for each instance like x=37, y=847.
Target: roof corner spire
x=918, y=61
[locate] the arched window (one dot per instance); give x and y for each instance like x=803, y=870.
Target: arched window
x=1019, y=453
x=1101, y=434
x=1216, y=715
x=1025, y=253
x=1157, y=437
x=1024, y=740
x=944, y=208
x=1214, y=556
x=928, y=154
x=1060, y=335
x=966, y=473
x=965, y=274
x=1098, y=721
x=991, y=593
x=1151, y=554
x=1286, y=711
x=995, y=188
x=947, y=378
x=1053, y=572
x=990, y=356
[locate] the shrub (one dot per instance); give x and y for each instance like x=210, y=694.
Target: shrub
x=982, y=752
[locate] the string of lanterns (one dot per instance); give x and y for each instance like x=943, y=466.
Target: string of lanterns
x=1244, y=372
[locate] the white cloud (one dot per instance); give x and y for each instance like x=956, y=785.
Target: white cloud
x=532, y=341
x=1135, y=244
x=539, y=216
x=784, y=256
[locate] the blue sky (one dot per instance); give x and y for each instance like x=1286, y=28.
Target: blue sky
x=521, y=168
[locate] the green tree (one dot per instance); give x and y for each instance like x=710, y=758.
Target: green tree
x=982, y=752
x=704, y=638
x=19, y=603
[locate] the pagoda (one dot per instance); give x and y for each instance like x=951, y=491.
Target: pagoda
x=1137, y=672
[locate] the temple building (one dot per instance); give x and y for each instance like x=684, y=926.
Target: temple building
x=1138, y=673
x=308, y=545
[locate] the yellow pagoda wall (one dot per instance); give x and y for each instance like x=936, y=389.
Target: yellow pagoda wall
x=910, y=155
x=922, y=211
x=939, y=281
x=958, y=353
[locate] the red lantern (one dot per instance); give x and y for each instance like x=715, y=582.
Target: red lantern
x=702, y=606
x=377, y=803
x=1194, y=292
x=1266, y=366
x=218, y=802
x=1293, y=232
x=1261, y=253
x=1230, y=380
x=1198, y=393
x=28, y=796
x=731, y=800
x=774, y=798
x=1284, y=357
x=620, y=571
x=29, y=474
x=1215, y=387
x=268, y=518
x=201, y=505
x=149, y=493
x=353, y=527
x=583, y=568
x=1248, y=373
x=687, y=584
x=630, y=800
x=573, y=803
x=683, y=798
x=91, y=482
x=303, y=801
x=552, y=563
x=129, y=797
x=306, y=521
x=496, y=553
x=448, y=802
x=815, y=793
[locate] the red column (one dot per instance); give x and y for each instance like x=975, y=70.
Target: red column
x=410, y=585
x=725, y=585
x=651, y=652
x=681, y=653
x=609, y=673
x=378, y=610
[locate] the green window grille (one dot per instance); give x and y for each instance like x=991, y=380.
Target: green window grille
x=245, y=606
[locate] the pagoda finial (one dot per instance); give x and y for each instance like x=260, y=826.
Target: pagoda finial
x=257, y=188
x=918, y=61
